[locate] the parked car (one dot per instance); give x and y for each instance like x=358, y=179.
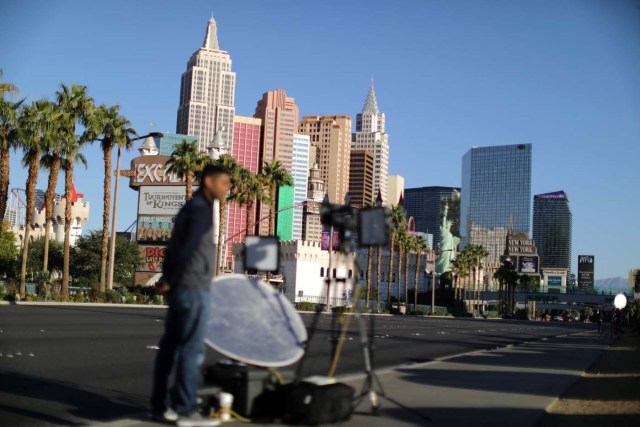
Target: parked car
x=557, y=319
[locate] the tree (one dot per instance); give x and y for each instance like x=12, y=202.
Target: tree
x=460, y=270
x=247, y=189
x=8, y=253
x=8, y=140
x=187, y=161
x=50, y=161
x=36, y=255
x=399, y=222
x=369, y=205
x=87, y=261
x=115, y=130
x=420, y=248
x=36, y=124
x=409, y=246
x=508, y=278
x=228, y=164
x=474, y=255
x=274, y=176
x=636, y=281
x=7, y=88
x=378, y=275
x=76, y=107
x=401, y=245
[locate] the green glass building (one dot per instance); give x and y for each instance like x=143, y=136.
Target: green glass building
x=284, y=219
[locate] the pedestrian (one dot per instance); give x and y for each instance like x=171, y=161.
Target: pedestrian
x=189, y=266
x=600, y=320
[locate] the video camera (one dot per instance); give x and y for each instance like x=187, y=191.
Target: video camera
x=369, y=226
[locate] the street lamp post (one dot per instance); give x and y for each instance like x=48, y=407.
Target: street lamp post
x=112, y=245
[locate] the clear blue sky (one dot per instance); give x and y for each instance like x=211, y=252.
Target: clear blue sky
x=562, y=75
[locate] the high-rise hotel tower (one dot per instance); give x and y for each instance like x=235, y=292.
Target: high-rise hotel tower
x=207, y=93
x=370, y=135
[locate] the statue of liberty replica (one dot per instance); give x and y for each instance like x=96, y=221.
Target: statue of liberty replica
x=448, y=244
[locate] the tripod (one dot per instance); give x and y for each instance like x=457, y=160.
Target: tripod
x=372, y=387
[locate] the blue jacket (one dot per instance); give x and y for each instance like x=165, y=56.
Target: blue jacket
x=191, y=253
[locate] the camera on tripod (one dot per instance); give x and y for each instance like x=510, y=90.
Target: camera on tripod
x=367, y=226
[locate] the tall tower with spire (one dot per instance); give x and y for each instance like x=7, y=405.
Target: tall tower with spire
x=370, y=135
x=207, y=93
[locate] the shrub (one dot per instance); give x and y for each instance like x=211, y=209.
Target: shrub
x=112, y=296
x=339, y=309
x=78, y=297
x=30, y=298
x=306, y=306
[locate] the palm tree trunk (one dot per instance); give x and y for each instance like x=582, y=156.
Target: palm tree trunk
x=105, y=217
x=415, y=283
x=68, y=184
x=392, y=244
x=399, y=275
x=378, y=267
x=249, y=222
x=189, y=185
x=48, y=203
x=407, y=257
x=272, y=216
x=221, y=252
x=4, y=178
x=369, y=269
x=272, y=222
x=32, y=179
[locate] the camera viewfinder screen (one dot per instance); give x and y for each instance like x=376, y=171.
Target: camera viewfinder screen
x=372, y=227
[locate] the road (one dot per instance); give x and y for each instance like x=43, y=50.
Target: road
x=69, y=364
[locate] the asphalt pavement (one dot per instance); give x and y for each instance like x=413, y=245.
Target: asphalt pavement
x=79, y=365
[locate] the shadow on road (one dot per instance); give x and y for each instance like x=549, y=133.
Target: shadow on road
x=22, y=392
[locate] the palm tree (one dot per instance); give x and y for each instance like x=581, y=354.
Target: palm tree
x=409, y=244
x=229, y=164
x=369, y=205
x=36, y=123
x=7, y=88
x=420, y=248
x=76, y=107
x=460, y=271
x=275, y=176
x=187, y=161
x=115, y=130
x=398, y=220
x=400, y=245
x=9, y=139
x=247, y=189
x=378, y=273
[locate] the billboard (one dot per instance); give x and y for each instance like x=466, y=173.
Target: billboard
x=152, y=170
x=154, y=228
x=152, y=258
x=158, y=200
x=586, y=265
x=554, y=281
x=325, y=241
x=528, y=264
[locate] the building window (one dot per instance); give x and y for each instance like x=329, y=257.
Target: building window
x=321, y=271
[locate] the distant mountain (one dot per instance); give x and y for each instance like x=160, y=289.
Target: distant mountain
x=612, y=283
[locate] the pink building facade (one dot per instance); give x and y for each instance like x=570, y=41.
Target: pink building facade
x=246, y=151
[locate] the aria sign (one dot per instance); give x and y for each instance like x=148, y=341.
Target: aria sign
x=152, y=170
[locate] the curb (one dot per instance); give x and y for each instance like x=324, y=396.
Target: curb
x=81, y=304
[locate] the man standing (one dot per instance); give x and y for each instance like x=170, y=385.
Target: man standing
x=189, y=266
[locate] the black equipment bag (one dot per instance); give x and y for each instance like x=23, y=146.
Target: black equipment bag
x=311, y=404
x=304, y=403
x=243, y=382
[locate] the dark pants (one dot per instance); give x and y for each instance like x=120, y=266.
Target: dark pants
x=182, y=343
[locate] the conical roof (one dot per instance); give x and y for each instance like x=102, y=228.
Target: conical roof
x=211, y=38
x=371, y=103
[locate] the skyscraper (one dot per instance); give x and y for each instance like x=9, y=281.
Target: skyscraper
x=495, y=196
x=280, y=117
x=552, y=221
x=207, y=93
x=361, y=178
x=331, y=140
x=311, y=226
x=395, y=188
x=167, y=142
x=246, y=151
x=300, y=173
x=425, y=206
x=370, y=135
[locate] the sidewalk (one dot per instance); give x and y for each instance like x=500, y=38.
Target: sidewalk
x=608, y=393
x=503, y=387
